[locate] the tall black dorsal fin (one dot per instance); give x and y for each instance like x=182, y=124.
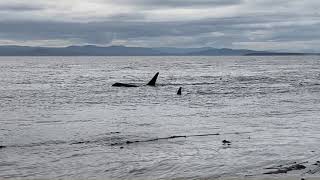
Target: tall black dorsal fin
x=152, y=82
x=179, y=91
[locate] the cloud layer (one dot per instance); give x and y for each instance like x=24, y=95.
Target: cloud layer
x=255, y=24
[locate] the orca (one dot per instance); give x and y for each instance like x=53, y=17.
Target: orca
x=152, y=82
x=179, y=91
x=226, y=142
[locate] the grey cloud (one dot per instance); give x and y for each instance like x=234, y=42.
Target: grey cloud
x=178, y=3
x=133, y=28
x=20, y=7
x=300, y=33
x=127, y=17
x=194, y=32
x=28, y=31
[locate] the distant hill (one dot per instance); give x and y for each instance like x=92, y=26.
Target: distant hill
x=77, y=51
x=224, y=52
x=181, y=51
x=91, y=50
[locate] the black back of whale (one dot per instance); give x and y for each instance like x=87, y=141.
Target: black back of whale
x=152, y=82
x=123, y=85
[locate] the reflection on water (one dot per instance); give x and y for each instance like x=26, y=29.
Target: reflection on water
x=60, y=117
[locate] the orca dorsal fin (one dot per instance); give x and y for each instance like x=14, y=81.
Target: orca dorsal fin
x=152, y=82
x=179, y=91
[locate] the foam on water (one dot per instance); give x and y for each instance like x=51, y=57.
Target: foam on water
x=60, y=117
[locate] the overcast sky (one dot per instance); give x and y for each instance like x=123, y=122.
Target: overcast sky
x=290, y=25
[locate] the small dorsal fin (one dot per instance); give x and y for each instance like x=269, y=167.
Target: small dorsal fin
x=179, y=91
x=152, y=82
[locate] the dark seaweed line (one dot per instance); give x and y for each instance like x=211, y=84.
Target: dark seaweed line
x=163, y=138
x=285, y=168
x=118, y=143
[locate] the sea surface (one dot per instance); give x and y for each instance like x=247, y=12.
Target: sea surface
x=60, y=118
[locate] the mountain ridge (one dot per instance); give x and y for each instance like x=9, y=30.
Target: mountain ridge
x=93, y=50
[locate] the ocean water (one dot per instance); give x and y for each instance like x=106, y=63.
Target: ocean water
x=60, y=117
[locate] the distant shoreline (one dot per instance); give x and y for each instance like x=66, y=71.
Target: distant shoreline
x=91, y=50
